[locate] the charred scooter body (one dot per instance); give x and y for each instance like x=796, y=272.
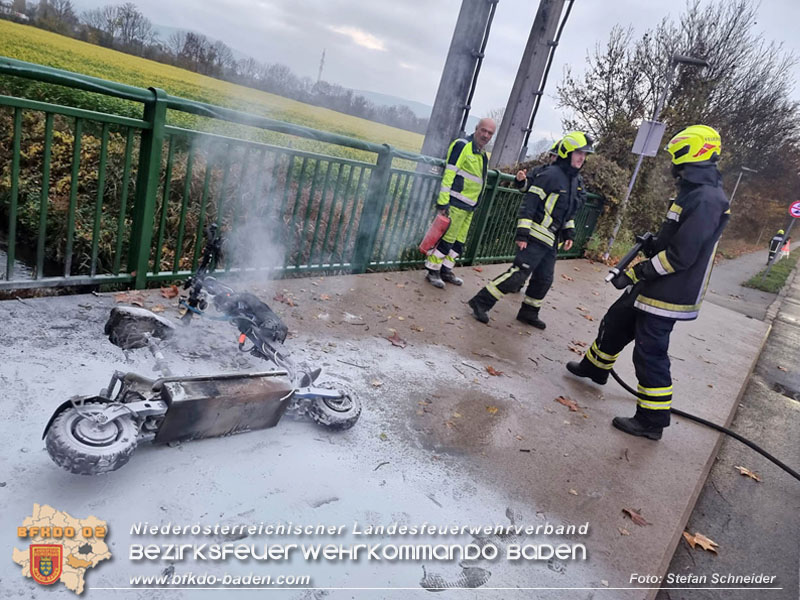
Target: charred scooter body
x=90, y=435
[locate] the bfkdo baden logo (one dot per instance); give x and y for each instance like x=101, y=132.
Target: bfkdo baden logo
x=62, y=547
x=45, y=563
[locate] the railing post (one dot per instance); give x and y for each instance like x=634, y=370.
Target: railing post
x=369, y=223
x=485, y=207
x=155, y=113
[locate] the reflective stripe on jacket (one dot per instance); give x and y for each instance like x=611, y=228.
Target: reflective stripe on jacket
x=548, y=210
x=676, y=277
x=464, y=176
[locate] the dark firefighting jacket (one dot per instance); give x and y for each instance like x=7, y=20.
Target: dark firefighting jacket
x=555, y=194
x=673, y=282
x=464, y=176
x=775, y=243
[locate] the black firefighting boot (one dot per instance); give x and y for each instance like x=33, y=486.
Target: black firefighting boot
x=435, y=279
x=481, y=303
x=635, y=425
x=587, y=369
x=448, y=276
x=530, y=316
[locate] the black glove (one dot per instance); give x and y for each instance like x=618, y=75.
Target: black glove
x=630, y=276
x=649, y=245
x=622, y=281
x=443, y=210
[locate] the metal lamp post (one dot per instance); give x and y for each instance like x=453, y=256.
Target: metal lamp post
x=738, y=179
x=673, y=63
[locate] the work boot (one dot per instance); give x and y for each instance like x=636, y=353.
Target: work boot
x=448, y=276
x=530, y=316
x=435, y=279
x=634, y=426
x=587, y=369
x=478, y=311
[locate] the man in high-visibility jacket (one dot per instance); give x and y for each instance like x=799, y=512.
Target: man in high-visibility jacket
x=462, y=187
x=666, y=288
x=775, y=245
x=545, y=217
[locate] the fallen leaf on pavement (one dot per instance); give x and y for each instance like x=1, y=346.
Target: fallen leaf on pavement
x=492, y=371
x=134, y=298
x=170, y=292
x=284, y=299
x=575, y=350
x=623, y=531
x=567, y=277
x=580, y=344
x=635, y=517
x=396, y=340
x=698, y=539
x=324, y=297
x=582, y=308
x=491, y=410
x=478, y=269
x=158, y=308
x=748, y=473
x=574, y=492
x=456, y=415
x=376, y=383
x=782, y=368
x=383, y=437
x=588, y=317
x=400, y=285
x=571, y=404
x=417, y=328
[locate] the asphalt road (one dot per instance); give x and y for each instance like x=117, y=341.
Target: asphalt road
x=754, y=523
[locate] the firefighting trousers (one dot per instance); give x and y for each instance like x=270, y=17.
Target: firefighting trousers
x=451, y=245
x=536, y=261
x=650, y=336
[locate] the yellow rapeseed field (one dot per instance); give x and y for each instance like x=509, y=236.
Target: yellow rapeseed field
x=38, y=46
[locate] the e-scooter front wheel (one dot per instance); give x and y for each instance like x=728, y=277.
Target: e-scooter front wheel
x=80, y=443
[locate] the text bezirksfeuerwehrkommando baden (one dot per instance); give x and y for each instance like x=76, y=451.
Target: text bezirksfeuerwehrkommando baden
x=515, y=546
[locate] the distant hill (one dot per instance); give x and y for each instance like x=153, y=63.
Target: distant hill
x=420, y=109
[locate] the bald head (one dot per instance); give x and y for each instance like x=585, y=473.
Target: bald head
x=484, y=131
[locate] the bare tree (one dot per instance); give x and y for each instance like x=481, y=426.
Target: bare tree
x=745, y=94
x=135, y=30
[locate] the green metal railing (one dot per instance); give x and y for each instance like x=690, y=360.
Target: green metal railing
x=104, y=198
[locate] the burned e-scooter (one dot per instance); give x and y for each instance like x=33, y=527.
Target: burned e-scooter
x=97, y=434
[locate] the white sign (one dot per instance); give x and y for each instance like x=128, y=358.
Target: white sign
x=648, y=139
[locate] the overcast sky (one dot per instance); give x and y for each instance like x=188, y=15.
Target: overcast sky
x=398, y=47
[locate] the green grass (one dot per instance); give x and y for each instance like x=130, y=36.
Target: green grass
x=777, y=275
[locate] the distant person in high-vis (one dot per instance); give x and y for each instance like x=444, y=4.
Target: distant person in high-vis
x=463, y=184
x=666, y=288
x=775, y=245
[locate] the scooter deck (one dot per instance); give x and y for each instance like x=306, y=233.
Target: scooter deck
x=201, y=407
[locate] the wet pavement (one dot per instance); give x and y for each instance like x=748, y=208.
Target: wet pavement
x=441, y=440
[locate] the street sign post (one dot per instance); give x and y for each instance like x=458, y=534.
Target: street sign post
x=794, y=210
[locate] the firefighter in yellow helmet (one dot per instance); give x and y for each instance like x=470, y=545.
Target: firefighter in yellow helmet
x=545, y=217
x=775, y=244
x=666, y=288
